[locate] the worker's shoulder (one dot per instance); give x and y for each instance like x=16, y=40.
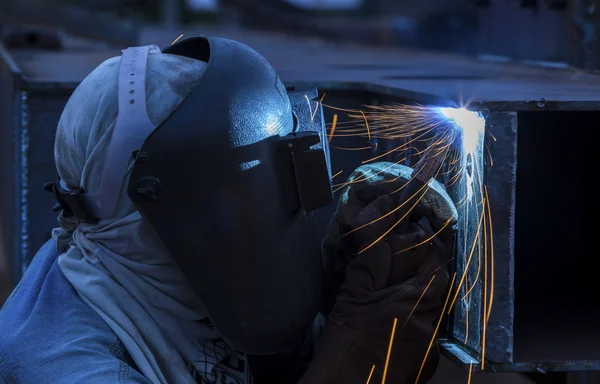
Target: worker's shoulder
x=20, y=317
x=49, y=335
x=22, y=301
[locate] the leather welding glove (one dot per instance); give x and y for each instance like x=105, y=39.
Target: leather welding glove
x=384, y=283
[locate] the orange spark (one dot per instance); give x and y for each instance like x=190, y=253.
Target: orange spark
x=366, y=124
x=437, y=327
x=417, y=304
x=391, y=212
x=397, y=222
x=429, y=238
x=350, y=149
x=489, y=209
x=466, y=315
x=177, y=39
x=340, y=109
x=333, y=125
x=470, y=372
x=440, y=267
x=389, y=353
x=397, y=148
x=478, y=263
x=462, y=280
x=485, y=298
x=487, y=303
x=364, y=177
x=371, y=374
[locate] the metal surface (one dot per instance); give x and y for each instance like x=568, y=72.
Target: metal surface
x=501, y=181
x=466, y=332
x=35, y=87
x=465, y=322
x=545, y=310
x=420, y=76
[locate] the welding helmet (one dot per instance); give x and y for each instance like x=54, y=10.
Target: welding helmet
x=230, y=183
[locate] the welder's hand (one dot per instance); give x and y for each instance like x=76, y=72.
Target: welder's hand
x=399, y=276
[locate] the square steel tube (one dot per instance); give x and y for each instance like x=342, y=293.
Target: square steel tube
x=545, y=311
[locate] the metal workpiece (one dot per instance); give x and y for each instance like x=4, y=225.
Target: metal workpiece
x=469, y=332
x=544, y=312
x=467, y=296
x=500, y=161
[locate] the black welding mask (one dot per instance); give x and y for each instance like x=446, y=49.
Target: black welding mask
x=230, y=183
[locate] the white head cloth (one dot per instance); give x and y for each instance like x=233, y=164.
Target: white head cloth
x=118, y=266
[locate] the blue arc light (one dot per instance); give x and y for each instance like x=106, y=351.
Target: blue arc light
x=471, y=123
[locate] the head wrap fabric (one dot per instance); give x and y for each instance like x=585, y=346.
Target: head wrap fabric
x=119, y=266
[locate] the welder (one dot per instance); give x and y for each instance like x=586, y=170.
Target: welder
x=186, y=250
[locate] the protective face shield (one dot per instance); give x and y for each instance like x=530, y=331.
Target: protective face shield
x=228, y=182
